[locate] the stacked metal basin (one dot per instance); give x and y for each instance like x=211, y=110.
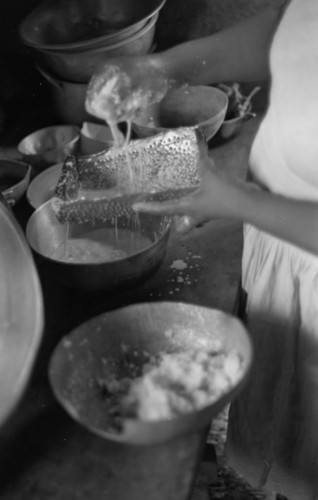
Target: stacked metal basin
x=70, y=39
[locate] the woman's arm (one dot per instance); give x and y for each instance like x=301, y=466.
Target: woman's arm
x=294, y=221
x=220, y=196
x=238, y=53
x=125, y=84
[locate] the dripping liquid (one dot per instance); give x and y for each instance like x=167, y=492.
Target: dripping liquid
x=66, y=242
x=121, y=141
x=106, y=244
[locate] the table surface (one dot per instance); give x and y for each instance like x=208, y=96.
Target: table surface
x=201, y=268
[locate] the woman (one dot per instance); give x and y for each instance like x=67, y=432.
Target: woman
x=272, y=438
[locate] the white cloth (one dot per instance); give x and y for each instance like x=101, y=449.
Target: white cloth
x=284, y=156
x=273, y=428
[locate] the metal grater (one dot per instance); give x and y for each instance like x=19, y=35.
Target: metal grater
x=100, y=187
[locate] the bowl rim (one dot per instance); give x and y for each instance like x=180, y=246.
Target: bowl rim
x=96, y=50
x=76, y=137
x=199, y=124
x=25, y=179
x=79, y=45
x=41, y=175
x=8, y=192
x=90, y=265
x=59, y=82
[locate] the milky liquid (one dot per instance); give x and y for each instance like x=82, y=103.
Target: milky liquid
x=101, y=245
x=66, y=239
x=118, y=139
x=122, y=142
x=105, y=244
x=128, y=162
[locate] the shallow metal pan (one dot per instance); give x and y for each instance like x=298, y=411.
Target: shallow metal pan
x=21, y=312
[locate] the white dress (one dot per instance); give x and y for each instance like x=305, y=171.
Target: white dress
x=273, y=426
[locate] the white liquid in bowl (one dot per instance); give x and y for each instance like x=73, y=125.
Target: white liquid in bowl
x=101, y=245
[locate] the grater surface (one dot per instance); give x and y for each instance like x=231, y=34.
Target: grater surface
x=102, y=186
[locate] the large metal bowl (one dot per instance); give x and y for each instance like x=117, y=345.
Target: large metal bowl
x=45, y=233
x=121, y=338
x=147, y=460
x=77, y=25
x=21, y=313
x=188, y=106
x=80, y=65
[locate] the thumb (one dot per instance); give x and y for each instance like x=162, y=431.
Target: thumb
x=172, y=207
x=205, y=162
x=184, y=224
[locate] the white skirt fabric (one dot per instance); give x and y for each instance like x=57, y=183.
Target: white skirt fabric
x=273, y=425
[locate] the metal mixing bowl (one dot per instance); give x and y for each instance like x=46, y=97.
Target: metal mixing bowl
x=49, y=145
x=121, y=338
x=45, y=233
x=14, y=179
x=150, y=460
x=189, y=106
x=78, y=25
x=21, y=313
x=80, y=65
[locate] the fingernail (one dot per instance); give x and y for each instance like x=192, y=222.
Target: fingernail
x=183, y=224
x=136, y=206
x=141, y=207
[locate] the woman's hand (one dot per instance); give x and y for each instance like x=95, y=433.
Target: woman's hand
x=217, y=197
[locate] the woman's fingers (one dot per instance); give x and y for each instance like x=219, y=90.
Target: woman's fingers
x=184, y=223
x=205, y=162
x=172, y=207
x=202, y=144
x=151, y=208
x=191, y=205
